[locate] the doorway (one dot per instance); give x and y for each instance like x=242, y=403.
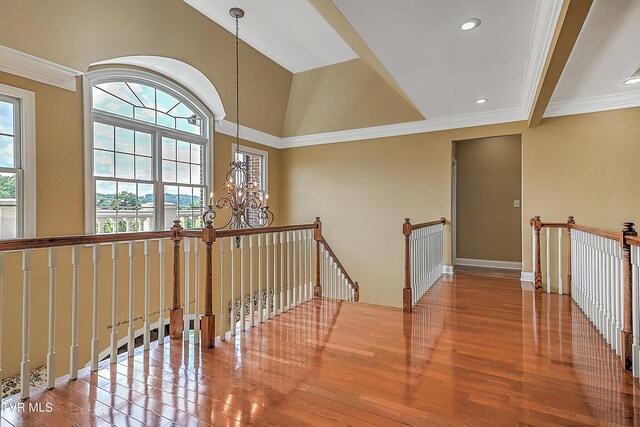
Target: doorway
x=486, y=176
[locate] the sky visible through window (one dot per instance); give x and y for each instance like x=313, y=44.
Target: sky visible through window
x=6, y=134
x=146, y=104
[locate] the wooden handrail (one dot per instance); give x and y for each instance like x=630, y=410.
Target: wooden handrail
x=91, y=239
x=83, y=239
x=554, y=224
x=250, y=231
x=354, y=285
x=633, y=240
x=428, y=224
x=598, y=232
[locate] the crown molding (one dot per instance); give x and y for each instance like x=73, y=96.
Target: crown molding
x=593, y=104
x=421, y=126
x=38, y=69
x=229, y=128
x=544, y=24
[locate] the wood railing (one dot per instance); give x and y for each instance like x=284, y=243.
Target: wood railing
x=602, y=279
x=250, y=275
x=338, y=283
x=423, y=259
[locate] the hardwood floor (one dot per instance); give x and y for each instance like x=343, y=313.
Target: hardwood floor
x=477, y=351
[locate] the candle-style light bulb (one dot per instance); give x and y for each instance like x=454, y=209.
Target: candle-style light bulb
x=211, y=199
x=266, y=197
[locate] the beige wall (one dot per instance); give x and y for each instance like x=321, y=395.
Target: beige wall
x=348, y=95
x=363, y=190
x=77, y=33
x=584, y=165
x=488, y=226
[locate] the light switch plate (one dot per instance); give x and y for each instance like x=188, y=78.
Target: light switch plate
x=516, y=203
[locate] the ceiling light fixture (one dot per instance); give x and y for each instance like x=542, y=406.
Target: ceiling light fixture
x=634, y=79
x=470, y=24
x=240, y=193
x=481, y=100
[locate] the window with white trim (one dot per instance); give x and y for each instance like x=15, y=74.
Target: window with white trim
x=150, y=153
x=17, y=163
x=256, y=161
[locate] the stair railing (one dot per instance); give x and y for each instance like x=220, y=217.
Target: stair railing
x=423, y=259
x=602, y=279
x=246, y=276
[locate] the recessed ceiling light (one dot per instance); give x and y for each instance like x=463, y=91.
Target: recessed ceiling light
x=470, y=24
x=632, y=80
x=481, y=100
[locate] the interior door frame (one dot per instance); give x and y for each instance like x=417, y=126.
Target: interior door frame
x=454, y=209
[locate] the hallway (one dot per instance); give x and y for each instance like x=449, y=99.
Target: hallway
x=476, y=351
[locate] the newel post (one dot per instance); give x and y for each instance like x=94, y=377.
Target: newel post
x=406, y=291
x=317, y=236
x=570, y=224
x=356, y=295
x=627, y=328
x=536, y=223
x=208, y=320
x=175, y=317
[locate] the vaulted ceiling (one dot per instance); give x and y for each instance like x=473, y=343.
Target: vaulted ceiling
x=419, y=49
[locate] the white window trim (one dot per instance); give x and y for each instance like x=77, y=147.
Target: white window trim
x=28, y=156
x=257, y=152
x=119, y=74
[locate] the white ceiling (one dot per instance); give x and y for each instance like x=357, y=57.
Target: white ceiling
x=442, y=68
x=290, y=32
x=606, y=54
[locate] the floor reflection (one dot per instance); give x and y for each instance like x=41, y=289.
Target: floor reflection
x=477, y=350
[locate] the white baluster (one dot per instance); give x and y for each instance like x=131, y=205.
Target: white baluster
x=533, y=250
x=548, y=266
x=232, y=321
x=161, y=252
x=131, y=330
x=260, y=279
x=114, y=303
x=187, y=288
x=294, y=268
x=25, y=364
x=560, y=284
x=251, y=288
x=267, y=276
x=1, y=301
x=288, y=271
x=311, y=265
x=275, y=273
x=223, y=304
x=282, y=273
x=635, y=280
x=196, y=307
x=244, y=326
x=300, y=266
x=73, y=350
x=147, y=284
x=51, y=353
x=305, y=258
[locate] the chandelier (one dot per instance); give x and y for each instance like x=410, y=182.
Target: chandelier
x=243, y=197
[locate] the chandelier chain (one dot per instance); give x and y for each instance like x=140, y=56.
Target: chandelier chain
x=237, y=87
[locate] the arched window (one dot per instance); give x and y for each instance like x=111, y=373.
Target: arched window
x=149, y=152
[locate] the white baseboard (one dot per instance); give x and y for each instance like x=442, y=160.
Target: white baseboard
x=527, y=276
x=510, y=265
x=447, y=269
